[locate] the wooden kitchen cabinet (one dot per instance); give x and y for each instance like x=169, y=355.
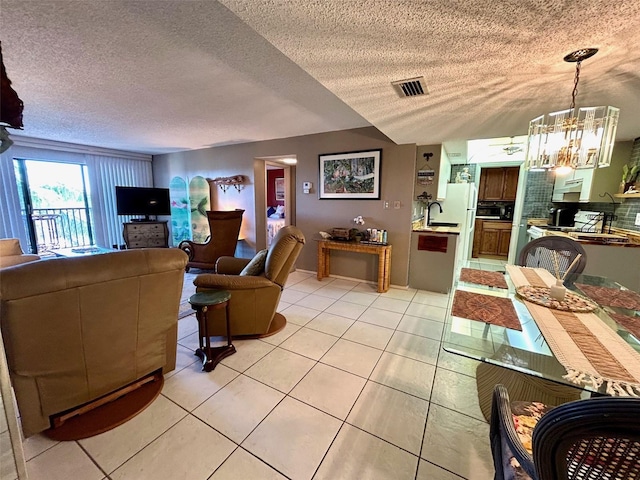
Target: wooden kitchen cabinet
x=498, y=184
x=492, y=238
x=510, y=183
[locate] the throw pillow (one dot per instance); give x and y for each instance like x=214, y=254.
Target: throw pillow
x=256, y=266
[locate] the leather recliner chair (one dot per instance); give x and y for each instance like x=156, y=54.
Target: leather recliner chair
x=254, y=299
x=76, y=329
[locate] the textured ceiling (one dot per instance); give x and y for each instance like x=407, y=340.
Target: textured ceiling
x=172, y=75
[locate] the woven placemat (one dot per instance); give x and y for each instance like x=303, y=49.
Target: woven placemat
x=485, y=308
x=612, y=297
x=483, y=277
x=632, y=324
x=542, y=296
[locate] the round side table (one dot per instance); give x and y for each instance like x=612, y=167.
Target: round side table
x=201, y=302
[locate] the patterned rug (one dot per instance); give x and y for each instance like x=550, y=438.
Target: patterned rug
x=632, y=324
x=185, y=310
x=612, y=297
x=483, y=277
x=485, y=308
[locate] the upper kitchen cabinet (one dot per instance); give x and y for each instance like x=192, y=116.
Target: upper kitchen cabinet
x=498, y=184
x=586, y=185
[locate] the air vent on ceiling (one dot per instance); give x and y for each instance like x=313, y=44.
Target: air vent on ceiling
x=411, y=87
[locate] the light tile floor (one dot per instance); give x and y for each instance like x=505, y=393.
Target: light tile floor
x=355, y=387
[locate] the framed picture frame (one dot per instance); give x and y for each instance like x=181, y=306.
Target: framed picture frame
x=350, y=175
x=280, y=189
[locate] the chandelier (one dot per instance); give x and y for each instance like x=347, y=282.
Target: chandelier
x=574, y=138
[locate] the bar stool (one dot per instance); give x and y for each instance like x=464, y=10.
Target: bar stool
x=201, y=302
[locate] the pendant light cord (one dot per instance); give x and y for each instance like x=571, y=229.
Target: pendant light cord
x=575, y=87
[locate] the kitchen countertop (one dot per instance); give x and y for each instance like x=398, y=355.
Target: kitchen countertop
x=439, y=230
x=634, y=242
x=492, y=218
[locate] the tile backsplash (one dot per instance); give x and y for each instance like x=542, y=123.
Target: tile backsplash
x=539, y=190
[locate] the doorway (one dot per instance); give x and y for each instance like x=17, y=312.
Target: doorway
x=495, y=213
x=54, y=199
x=278, y=194
x=268, y=218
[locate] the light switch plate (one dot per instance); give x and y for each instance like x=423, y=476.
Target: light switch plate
x=396, y=204
x=638, y=219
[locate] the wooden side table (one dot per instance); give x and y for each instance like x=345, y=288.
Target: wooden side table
x=382, y=251
x=201, y=302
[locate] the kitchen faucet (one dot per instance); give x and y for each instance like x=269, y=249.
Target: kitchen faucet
x=429, y=205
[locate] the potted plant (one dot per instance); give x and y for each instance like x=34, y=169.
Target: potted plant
x=629, y=176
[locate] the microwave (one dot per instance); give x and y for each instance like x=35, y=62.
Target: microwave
x=562, y=217
x=488, y=210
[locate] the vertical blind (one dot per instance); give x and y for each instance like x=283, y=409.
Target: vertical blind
x=104, y=174
x=11, y=221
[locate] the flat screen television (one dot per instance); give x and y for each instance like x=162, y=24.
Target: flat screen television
x=143, y=201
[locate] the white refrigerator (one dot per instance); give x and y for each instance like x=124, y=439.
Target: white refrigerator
x=459, y=206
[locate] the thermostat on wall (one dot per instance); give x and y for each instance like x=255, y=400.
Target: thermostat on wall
x=307, y=186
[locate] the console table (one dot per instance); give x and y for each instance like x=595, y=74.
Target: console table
x=383, y=252
x=146, y=234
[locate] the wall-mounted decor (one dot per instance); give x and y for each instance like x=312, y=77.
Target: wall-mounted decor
x=180, y=210
x=225, y=182
x=353, y=175
x=280, y=189
x=200, y=202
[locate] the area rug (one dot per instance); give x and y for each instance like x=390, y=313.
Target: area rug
x=485, y=308
x=483, y=277
x=612, y=297
x=185, y=310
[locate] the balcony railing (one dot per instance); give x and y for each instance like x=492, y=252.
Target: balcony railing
x=61, y=228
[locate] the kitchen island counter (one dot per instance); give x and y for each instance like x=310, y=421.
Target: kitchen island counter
x=433, y=259
x=439, y=230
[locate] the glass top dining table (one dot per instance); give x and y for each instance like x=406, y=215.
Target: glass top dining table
x=525, y=351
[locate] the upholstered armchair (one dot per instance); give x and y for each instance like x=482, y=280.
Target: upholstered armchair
x=11, y=253
x=255, y=290
x=224, y=228
x=596, y=438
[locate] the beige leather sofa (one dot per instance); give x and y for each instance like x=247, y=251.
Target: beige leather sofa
x=76, y=329
x=254, y=299
x=11, y=253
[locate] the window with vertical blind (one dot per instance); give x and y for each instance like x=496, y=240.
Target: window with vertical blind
x=105, y=168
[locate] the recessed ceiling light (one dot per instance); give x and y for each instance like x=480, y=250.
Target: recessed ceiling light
x=289, y=161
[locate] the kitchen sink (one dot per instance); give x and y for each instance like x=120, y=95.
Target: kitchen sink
x=443, y=224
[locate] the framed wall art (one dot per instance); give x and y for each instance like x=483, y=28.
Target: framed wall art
x=352, y=175
x=280, y=189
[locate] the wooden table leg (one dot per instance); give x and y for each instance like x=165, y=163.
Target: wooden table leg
x=320, y=267
x=211, y=356
x=381, y=270
x=387, y=268
x=327, y=262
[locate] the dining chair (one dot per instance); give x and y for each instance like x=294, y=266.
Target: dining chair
x=224, y=228
x=595, y=438
x=539, y=253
